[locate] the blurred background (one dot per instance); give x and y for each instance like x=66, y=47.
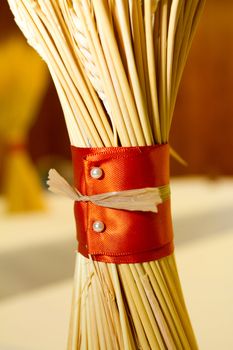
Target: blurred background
x=36, y=246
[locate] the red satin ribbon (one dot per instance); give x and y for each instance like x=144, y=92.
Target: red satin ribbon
x=128, y=237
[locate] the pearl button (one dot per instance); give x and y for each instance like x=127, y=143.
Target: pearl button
x=98, y=226
x=96, y=173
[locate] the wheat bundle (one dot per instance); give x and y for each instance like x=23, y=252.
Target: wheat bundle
x=19, y=106
x=117, y=65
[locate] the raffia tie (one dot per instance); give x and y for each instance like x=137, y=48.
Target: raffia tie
x=143, y=199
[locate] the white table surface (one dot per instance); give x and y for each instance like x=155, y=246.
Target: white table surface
x=36, y=267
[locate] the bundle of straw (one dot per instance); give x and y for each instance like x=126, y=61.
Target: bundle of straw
x=117, y=65
x=20, y=97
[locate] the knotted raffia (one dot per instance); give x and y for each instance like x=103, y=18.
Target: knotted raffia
x=142, y=199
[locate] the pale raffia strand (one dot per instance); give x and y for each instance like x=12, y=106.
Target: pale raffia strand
x=143, y=199
x=106, y=312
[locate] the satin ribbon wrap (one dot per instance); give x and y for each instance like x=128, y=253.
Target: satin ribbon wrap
x=128, y=237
